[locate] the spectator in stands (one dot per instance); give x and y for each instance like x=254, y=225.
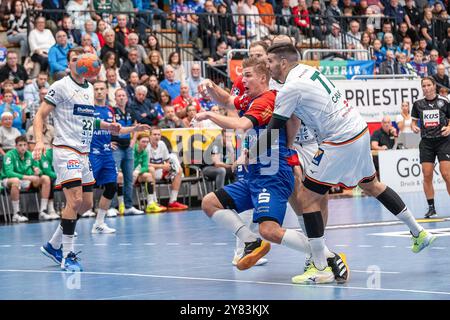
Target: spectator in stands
x=406, y=48
x=209, y=26
x=20, y=171
x=156, y=65
x=227, y=26
x=219, y=58
x=318, y=24
x=334, y=39
x=101, y=27
x=418, y=65
x=254, y=30
x=170, y=83
x=152, y=43
x=164, y=100
x=40, y=41
x=444, y=45
x=386, y=28
x=89, y=28
x=206, y=102
x=242, y=37
x=390, y=66
x=141, y=108
x=332, y=12
x=8, y=86
x=111, y=45
x=403, y=32
x=174, y=60
x=124, y=6
x=112, y=84
x=404, y=119
x=109, y=62
x=17, y=112
x=33, y=108
x=8, y=133
x=446, y=63
x=441, y=78
x=3, y=53
x=184, y=100
x=86, y=43
x=394, y=10
x=133, y=82
x=166, y=167
x=133, y=65
x=154, y=90
x=31, y=91
x=49, y=135
x=388, y=44
x=17, y=28
x=149, y=10
x=133, y=42
x=426, y=26
x=57, y=55
x=413, y=14
x=194, y=80
x=55, y=13
x=122, y=31
x=170, y=119
x=267, y=19
x=405, y=66
x=186, y=23
x=102, y=11
x=79, y=11
x=191, y=111
x=441, y=22
x=285, y=20
x=208, y=123
x=432, y=64
x=353, y=36
x=301, y=18
x=384, y=138
x=424, y=47
x=73, y=34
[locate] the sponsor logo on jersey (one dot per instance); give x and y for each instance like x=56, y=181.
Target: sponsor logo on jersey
x=318, y=157
x=73, y=164
x=440, y=103
x=431, y=118
x=264, y=197
x=83, y=110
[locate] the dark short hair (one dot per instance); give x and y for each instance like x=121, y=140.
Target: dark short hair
x=284, y=49
x=21, y=138
x=428, y=78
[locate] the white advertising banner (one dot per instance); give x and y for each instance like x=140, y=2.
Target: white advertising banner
x=376, y=98
x=401, y=170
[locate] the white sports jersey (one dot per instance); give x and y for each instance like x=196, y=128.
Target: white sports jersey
x=304, y=135
x=319, y=104
x=158, y=155
x=74, y=113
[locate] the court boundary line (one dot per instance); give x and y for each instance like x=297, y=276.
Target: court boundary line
x=139, y=275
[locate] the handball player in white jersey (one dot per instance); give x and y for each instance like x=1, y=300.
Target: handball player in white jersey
x=72, y=101
x=343, y=157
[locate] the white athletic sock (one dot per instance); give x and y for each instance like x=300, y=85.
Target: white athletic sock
x=247, y=218
x=51, y=206
x=154, y=197
x=301, y=222
x=67, y=242
x=120, y=199
x=296, y=240
x=56, y=239
x=44, y=203
x=318, y=252
x=173, y=196
x=100, y=219
x=328, y=253
x=16, y=206
x=407, y=217
x=231, y=221
x=149, y=198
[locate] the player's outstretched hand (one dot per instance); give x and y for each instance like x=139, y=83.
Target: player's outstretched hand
x=202, y=116
x=114, y=128
x=141, y=127
x=38, y=151
x=203, y=87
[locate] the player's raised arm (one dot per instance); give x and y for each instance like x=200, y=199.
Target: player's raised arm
x=225, y=122
x=219, y=95
x=38, y=128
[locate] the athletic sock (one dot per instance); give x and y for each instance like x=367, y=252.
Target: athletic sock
x=44, y=203
x=173, y=196
x=231, y=221
x=315, y=229
x=296, y=240
x=68, y=229
x=100, y=219
x=56, y=239
x=407, y=217
x=431, y=203
x=16, y=206
x=318, y=252
x=50, y=206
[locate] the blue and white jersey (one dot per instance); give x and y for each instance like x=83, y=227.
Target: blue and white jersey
x=101, y=140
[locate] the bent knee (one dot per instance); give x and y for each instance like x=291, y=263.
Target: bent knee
x=211, y=204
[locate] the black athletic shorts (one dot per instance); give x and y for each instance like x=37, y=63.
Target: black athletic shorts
x=432, y=148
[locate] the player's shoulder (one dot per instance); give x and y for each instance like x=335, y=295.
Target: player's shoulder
x=443, y=99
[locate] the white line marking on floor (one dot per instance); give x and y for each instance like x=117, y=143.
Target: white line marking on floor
x=341, y=245
x=150, y=244
x=365, y=246
x=28, y=245
x=389, y=246
x=232, y=281
x=172, y=243
x=438, y=248
x=196, y=243
x=124, y=244
x=371, y=224
x=5, y=246
x=100, y=244
x=365, y=271
x=220, y=243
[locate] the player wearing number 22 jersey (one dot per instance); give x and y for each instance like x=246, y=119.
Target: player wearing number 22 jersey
x=74, y=123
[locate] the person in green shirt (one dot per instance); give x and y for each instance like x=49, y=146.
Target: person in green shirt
x=144, y=174
x=46, y=168
x=20, y=171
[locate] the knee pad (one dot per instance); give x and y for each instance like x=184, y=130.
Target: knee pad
x=110, y=190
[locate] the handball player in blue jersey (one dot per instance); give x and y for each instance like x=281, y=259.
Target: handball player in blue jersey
x=101, y=157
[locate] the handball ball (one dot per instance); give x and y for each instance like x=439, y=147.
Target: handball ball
x=88, y=65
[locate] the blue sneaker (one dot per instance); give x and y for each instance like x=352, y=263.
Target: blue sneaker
x=52, y=253
x=70, y=263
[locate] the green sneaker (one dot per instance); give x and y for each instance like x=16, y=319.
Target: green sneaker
x=422, y=241
x=314, y=276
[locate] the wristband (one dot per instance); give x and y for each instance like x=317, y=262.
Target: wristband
x=97, y=123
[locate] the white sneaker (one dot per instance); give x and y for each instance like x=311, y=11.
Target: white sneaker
x=88, y=214
x=19, y=218
x=260, y=262
x=54, y=216
x=44, y=216
x=113, y=212
x=133, y=210
x=102, y=228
